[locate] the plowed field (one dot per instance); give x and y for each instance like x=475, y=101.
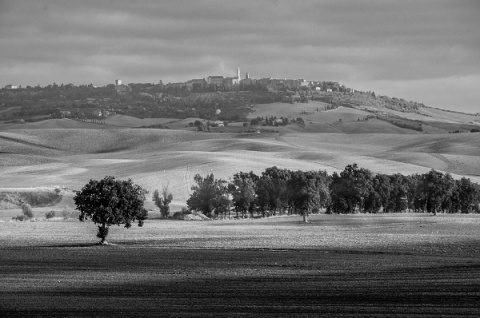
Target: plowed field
x=337, y=266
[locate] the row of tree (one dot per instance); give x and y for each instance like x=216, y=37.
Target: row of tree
x=114, y=202
x=279, y=191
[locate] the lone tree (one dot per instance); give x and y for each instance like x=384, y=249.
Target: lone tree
x=209, y=195
x=111, y=202
x=162, y=202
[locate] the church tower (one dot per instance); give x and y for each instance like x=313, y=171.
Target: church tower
x=238, y=73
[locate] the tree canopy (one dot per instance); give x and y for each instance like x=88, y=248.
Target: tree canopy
x=352, y=190
x=111, y=202
x=209, y=195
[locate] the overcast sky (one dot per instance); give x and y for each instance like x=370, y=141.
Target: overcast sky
x=425, y=51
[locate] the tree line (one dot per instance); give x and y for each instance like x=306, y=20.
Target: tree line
x=354, y=190
x=281, y=191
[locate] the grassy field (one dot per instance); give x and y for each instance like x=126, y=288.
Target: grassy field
x=399, y=265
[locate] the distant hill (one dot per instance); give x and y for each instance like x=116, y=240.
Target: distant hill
x=358, y=118
x=152, y=157
x=157, y=106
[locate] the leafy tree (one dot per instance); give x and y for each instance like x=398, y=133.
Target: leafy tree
x=380, y=196
x=308, y=191
x=416, y=193
x=27, y=210
x=467, y=195
x=436, y=187
x=272, y=192
x=163, y=202
x=399, y=192
x=351, y=189
x=243, y=191
x=209, y=195
x=111, y=202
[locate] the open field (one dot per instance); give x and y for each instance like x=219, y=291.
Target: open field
x=337, y=266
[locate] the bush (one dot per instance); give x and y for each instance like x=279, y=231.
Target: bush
x=50, y=214
x=180, y=215
x=66, y=215
x=27, y=210
x=20, y=218
x=163, y=201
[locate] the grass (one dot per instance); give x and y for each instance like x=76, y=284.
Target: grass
x=405, y=233
x=338, y=265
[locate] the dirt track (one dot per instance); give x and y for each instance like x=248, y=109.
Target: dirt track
x=129, y=281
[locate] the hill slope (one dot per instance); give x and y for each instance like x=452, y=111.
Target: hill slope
x=151, y=157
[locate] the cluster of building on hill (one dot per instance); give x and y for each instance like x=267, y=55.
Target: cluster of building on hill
x=221, y=83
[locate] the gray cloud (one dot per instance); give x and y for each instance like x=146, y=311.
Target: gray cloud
x=372, y=41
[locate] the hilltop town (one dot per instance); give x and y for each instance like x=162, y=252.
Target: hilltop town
x=214, y=97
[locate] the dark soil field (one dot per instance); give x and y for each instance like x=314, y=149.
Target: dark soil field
x=336, y=266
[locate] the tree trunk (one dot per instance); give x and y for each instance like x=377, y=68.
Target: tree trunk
x=102, y=234
x=305, y=217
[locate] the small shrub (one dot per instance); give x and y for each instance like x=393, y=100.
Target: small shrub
x=66, y=215
x=20, y=218
x=180, y=215
x=50, y=214
x=27, y=210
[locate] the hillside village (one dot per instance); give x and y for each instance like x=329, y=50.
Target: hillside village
x=215, y=98
x=194, y=98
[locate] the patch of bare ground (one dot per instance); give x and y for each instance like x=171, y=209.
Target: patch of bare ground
x=337, y=266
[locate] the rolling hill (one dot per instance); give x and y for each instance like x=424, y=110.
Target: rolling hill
x=68, y=158
x=67, y=153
